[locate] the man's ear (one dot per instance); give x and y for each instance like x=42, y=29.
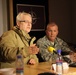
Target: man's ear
x=57, y=32
x=18, y=23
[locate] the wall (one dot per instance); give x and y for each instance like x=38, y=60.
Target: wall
x=3, y=16
x=60, y=11
x=73, y=25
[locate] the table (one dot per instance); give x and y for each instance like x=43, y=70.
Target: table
x=44, y=67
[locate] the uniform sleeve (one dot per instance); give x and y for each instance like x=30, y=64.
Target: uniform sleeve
x=64, y=46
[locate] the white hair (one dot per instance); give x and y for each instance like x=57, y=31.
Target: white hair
x=20, y=15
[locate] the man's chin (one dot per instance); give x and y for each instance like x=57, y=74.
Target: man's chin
x=52, y=40
x=28, y=31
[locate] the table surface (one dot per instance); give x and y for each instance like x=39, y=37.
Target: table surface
x=45, y=67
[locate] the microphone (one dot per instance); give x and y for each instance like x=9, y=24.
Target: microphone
x=52, y=50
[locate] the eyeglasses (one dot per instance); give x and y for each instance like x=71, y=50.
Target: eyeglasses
x=26, y=21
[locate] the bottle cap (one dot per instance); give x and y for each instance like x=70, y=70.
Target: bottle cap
x=59, y=51
x=18, y=56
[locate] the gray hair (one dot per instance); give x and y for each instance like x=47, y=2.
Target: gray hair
x=20, y=15
x=51, y=24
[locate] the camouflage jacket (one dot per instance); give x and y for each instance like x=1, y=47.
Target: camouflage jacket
x=44, y=43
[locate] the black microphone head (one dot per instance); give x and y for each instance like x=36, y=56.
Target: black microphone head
x=54, y=52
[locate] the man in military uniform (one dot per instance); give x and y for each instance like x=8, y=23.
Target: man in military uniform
x=51, y=40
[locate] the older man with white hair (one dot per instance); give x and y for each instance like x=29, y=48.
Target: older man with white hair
x=16, y=41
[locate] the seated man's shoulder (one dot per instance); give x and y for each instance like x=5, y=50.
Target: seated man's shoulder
x=8, y=33
x=42, y=39
x=59, y=39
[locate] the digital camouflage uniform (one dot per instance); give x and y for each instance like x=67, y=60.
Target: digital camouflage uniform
x=44, y=43
x=12, y=43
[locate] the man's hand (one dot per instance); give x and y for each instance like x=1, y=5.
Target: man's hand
x=32, y=61
x=33, y=49
x=73, y=56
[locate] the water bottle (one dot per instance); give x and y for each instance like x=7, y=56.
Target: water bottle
x=59, y=63
x=19, y=65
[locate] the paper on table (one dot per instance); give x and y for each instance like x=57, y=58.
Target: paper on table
x=65, y=66
x=7, y=71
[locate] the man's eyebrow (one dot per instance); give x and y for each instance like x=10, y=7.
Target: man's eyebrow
x=22, y=21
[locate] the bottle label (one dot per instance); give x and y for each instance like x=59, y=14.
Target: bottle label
x=19, y=70
x=59, y=68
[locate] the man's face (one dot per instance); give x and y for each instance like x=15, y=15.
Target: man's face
x=25, y=24
x=52, y=32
